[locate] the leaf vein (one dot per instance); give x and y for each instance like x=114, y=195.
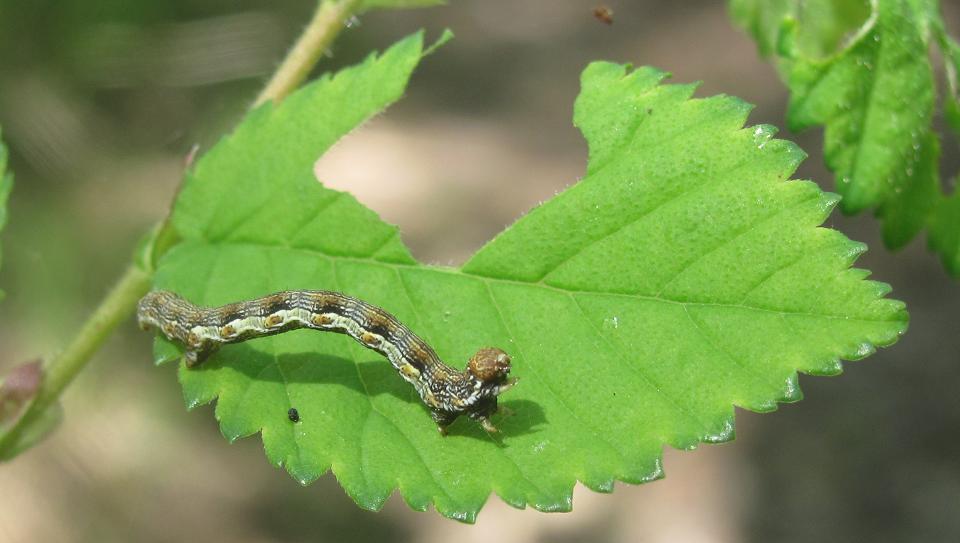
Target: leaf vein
x=633, y=220
x=413, y=308
x=725, y=242
x=545, y=383
x=639, y=297
x=719, y=348
x=622, y=351
x=312, y=216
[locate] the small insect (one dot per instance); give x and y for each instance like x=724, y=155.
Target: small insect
x=293, y=414
x=447, y=392
x=603, y=14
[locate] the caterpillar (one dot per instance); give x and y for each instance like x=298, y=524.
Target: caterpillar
x=447, y=392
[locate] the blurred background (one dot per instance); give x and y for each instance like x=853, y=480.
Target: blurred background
x=101, y=100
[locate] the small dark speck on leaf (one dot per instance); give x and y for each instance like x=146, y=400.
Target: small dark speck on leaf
x=650, y=111
x=293, y=414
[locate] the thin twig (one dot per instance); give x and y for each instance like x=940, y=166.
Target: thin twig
x=329, y=19
x=120, y=302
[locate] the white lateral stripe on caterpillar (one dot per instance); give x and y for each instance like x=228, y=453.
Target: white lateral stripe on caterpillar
x=447, y=392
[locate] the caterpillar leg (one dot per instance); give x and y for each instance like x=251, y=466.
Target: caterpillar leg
x=195, y=356
x=488, y=426
x=443, y=419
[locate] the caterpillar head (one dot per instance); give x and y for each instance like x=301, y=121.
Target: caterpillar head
x=491, y=366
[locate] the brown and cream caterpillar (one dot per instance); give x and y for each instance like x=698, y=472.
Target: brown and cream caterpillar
x=447, y=392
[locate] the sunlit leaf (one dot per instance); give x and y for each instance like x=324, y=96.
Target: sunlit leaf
x=684, y=275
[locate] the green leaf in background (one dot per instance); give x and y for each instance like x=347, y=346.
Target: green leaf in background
x=876, y=101
x=683, y=276
x=951, y=103
x=944, y=233
x=6, y=183
x=762, y=18
x=945, y=223
x=826, y=22
x=863, y=70
x=909, y=212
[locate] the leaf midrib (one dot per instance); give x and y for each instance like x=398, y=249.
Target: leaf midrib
x=598, y=435
x=486, y=278
x=639, y=370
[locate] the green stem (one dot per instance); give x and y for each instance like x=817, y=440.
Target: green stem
x=61, y=369
x=121, y=301
x=330, y=18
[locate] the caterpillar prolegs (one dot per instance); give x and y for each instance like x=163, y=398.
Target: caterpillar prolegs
x=447, y=392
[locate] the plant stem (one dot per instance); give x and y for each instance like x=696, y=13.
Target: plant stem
x=330, y=18
x=61, y=369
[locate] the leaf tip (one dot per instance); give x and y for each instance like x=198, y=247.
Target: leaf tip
x=602, y=72
x=466, y=517
x=861, y=351
x=829, y=201
x=303, y=477
x=231, y=434
x=724, y=434
x=791, y=391
x=445, y=36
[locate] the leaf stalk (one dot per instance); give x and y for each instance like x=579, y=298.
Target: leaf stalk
x=330, y=18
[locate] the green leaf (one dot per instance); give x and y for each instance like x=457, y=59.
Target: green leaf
x=683, y=276
x=876, y=101
x=945, y=232
x=909, y=210
x=762, y=19
x=6, y=183
x=863, y=71
x=945, y=219
x=951, y=103
x=825, y=23
x=234, y=193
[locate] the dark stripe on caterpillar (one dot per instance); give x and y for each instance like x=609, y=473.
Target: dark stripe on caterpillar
x=447, y=392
